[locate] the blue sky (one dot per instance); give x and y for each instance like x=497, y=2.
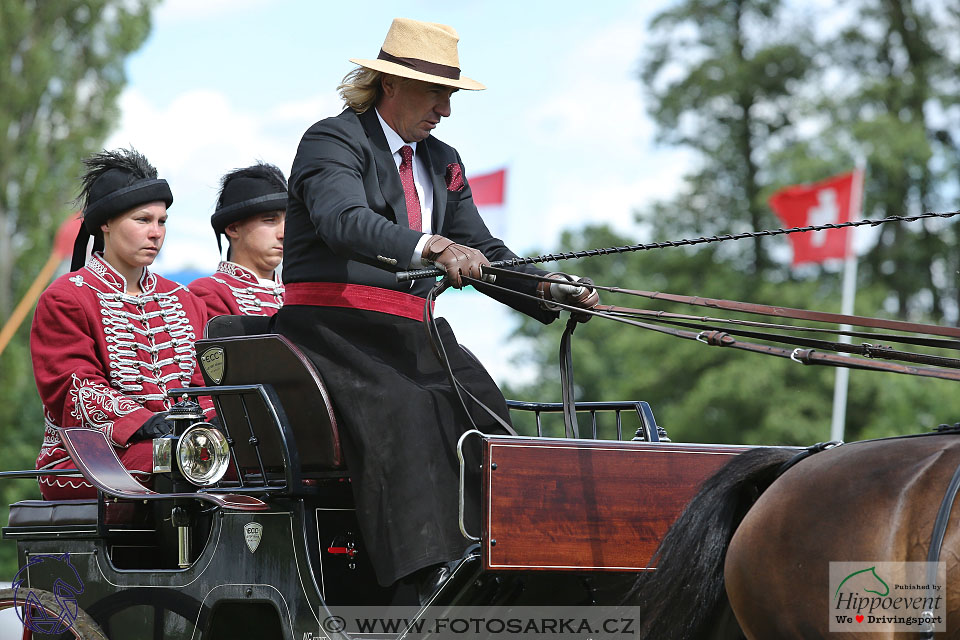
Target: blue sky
x=220, y=84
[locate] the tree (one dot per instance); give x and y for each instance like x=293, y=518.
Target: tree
x=891, y=94
x=720, y=75
x=59, y=83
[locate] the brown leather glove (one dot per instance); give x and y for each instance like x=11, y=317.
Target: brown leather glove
x=455, y=259
x=570, y=290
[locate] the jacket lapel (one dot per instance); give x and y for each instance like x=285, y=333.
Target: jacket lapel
x=389, y=177
x=439, y=184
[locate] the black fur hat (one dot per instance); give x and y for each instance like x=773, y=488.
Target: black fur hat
x=115, y=182
x=246, y=192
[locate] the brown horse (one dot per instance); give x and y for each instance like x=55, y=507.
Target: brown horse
x=760, y=545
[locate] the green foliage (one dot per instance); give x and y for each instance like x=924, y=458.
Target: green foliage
x=62, y=72
x=889, y=97
x=766, y=102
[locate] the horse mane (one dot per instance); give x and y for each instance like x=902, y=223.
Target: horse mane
x=685, y=597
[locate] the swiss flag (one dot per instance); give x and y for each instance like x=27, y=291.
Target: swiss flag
x=831, y=201
x=488, y=188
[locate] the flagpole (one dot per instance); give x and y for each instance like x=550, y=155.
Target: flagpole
x=62, y=247
x=838, y=419
x=29, y=298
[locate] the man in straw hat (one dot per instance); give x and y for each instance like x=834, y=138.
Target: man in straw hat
x=372, y=192
x=250, y=211
x=111, y=338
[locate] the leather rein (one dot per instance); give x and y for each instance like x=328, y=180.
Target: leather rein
x=939, y=366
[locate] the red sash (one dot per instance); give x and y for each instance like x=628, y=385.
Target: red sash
x=354, y=296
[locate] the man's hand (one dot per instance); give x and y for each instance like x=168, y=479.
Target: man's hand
x=455, y=259
x=570, y=290
x=156, y=426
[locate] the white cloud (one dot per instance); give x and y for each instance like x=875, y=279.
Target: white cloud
x=193, y=141
x=306, y=111
x=594, y=138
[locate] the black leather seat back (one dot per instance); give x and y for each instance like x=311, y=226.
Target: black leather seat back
x=274, y=360
x=226, y=326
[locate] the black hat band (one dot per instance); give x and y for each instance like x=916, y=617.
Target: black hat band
x=246, y=208
x=109, y=206
x=125, y=199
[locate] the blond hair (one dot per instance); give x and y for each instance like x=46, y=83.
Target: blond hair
x=360, y=89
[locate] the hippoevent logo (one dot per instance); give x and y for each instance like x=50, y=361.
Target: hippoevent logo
x=46, y=612
x=888, y=596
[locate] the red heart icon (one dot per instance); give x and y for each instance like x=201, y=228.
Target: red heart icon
x=859, y=618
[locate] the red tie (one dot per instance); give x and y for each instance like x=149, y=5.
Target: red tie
x=410, y=189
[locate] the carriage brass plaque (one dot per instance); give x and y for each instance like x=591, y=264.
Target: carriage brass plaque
x=214, y=361
x=252, y=533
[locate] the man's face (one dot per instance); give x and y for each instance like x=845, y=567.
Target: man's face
x=413, y=108
x=257, y=242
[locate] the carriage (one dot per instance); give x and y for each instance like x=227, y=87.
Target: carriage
x=253, y=533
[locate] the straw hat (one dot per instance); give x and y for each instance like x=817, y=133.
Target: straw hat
x=424, y=51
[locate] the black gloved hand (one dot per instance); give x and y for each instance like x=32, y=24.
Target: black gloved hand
x=156, y=426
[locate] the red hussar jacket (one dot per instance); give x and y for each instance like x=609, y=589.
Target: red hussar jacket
x=105, y=359
x=235, y=290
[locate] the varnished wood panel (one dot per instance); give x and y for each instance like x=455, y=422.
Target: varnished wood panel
x=586, y=505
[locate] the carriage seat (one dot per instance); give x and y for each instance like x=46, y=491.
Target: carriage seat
x=246, y=359
x=61, y=513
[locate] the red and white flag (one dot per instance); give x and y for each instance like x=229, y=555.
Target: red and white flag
x=489, y=193
x=488, y=188
x=831, y=201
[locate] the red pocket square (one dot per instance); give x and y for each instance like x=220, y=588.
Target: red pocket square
x=454, y=177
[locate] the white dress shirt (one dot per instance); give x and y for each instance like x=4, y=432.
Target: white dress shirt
x=420, y=178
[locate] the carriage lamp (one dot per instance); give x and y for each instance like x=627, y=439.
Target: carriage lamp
x=203, y=455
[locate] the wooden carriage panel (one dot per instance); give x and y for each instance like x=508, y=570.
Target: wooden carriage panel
x=586, y=505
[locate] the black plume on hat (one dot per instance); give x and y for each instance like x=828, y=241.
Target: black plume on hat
x=115, y=182
x=246, y=192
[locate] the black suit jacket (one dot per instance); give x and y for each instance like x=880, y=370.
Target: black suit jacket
x=347, y=217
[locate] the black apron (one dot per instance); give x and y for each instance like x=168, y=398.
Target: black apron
x=399, y=422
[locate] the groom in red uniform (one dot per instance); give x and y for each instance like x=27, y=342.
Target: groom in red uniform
x=250, y=212
x=111, y=338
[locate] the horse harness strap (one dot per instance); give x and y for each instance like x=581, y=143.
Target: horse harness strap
x=936, y=540
x=939, y=525
x=806, y=453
